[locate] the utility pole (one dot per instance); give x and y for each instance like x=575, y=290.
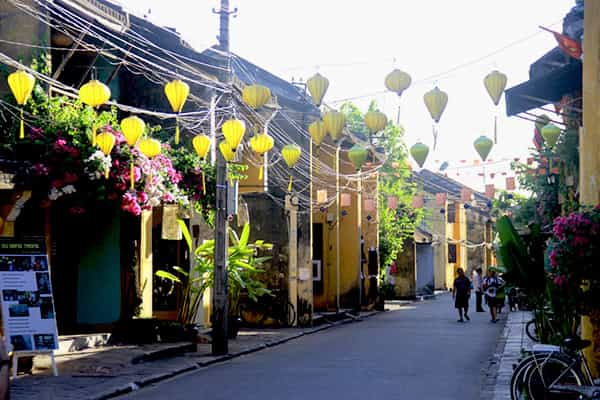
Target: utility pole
x=220, y=345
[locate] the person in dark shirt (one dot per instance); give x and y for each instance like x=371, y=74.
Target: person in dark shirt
x=461, y=293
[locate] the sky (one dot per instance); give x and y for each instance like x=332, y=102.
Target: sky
x=355, y=44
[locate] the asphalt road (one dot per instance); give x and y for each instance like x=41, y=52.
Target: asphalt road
x=419, y=352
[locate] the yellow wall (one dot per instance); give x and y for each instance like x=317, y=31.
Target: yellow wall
x=458, y=232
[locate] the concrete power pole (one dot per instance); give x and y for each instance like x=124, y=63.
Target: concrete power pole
x=220, y=345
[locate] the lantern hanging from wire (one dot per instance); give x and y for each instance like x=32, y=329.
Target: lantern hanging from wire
x=317, y=86
x=397, y=81
x=550, y=133
x=201, y=144
x=177, y=93
x=435, y=101
x=358, y=155
x=149, y=147
x=132, y=127
x=256, y=96
x=21, y=85
x=375, y=121
x=317, y=132
x=226, y=151
x=261, y=143
x=495, y=83
x=291, y=154
x=106, y=142
x=419, y=152
x=233, y=130
x=483, y=145
x=334, y=123
x=94, y=94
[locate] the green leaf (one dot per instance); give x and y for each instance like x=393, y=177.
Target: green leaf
x=167, y=275
x=245, y=235
x=181, y=271
x=186, y=233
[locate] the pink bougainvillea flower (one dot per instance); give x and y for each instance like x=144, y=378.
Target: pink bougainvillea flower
x=57, y=184
x=70, y=177
x=77, y=210
x=40, y=169
x=560, y=280
x=168, y=197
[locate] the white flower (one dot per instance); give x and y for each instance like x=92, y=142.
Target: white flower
x=54, y=194
x=69, y=189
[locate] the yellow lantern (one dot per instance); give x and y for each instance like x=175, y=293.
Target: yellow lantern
x=106, y=142
x=435, y=101
x=21, y=85
x=226, y=151
x=132, y=128
x=256, y=96
x=201, y=144
x=397, y=81
x=177, y=92
x=494, y=83
x=94, y=94
x=233, y=130
x=317, y=86
x=317, y=132
x=334, y=123
x=291, y=154
x=375, y=121
x=149, y=147
x=483, y=145
x=261, y=143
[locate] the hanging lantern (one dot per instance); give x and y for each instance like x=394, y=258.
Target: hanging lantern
x=21, y=85
x=317, y=86
x=233, y=130
x=106, y=142
x=321, y=196
x=392, y=202
x=435, y=101
x=149, y=147
x=397, y=81
x=256, y=96
x=226, y=151
x=291, y=154
x=494, y=83
x=369, y=206
x=177, y=92
x=261, y=143
x=419, y=152
x=358, y=155
x=201, y=144
x=375, y=121
x=483, y=145
x=541, y=121
x=94, y=94
x=334, y=123
x=317, y=132
x=345, y=200
x=132, y=128
x=550, y=133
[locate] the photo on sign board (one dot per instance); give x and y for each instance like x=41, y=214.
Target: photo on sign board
x=10, y=295
x=21, y=342
x=18, y=310
x=31, y=299
x=7, y=263
x=40, y=263
x=43, y=282
x=46, y=308
x=23, y=263
x=44, y=341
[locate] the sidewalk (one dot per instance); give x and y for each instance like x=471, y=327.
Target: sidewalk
x=113, y=370
x=496, y=381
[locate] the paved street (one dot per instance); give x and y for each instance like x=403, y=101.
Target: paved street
x=419, y=352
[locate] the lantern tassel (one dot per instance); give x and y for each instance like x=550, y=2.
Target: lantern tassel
x=176, y=131
x=93, y=135
x=435, y=135
x=260, y=173
x=495, y=129
x=22, y=130
x=106, y=172
x=398, y=117
x=290, y=185
x=203, y=183
x=132, y=175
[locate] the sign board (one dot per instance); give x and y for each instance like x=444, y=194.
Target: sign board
x=28, y=313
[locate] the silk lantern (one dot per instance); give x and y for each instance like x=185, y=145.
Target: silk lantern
x=334, y=123
x=256, y=96
x=201, y=144
x=132, y=127
x=435, y=101
x=177, y=93
x=358, y=155
x=392, y=202
x=550, y=133
x=317, y=132
x=106, y=142
x=419, y=152
x=397, y=81
x=94, y=94
x=261, y=143
x=233, y=130
x=291, y=154
x=149, y=147
x=317, y=87
x=375, y=121
x=21, y=85
x=483, y=145
x=494, y=83
x=226, y=151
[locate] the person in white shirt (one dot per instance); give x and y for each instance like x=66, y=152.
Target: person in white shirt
x=478, y=287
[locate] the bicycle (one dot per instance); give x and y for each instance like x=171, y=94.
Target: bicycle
x=274, y=309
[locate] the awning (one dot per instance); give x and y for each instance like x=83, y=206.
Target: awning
x=545, y=90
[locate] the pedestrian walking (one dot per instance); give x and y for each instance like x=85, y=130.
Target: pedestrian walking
x=491, y=284
x=461, y=293
x=478, y=287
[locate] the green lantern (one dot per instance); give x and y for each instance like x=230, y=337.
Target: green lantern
x=550, y=133
x=541, y=121
x=358, y=156
x=483, y=145
x=419, y=152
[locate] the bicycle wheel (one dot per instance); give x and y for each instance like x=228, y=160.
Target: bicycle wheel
x=290, y=314
x=555, y=370
x=531, y=331
x=518, y=384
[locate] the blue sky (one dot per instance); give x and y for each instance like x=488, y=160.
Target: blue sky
x=356, y=43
